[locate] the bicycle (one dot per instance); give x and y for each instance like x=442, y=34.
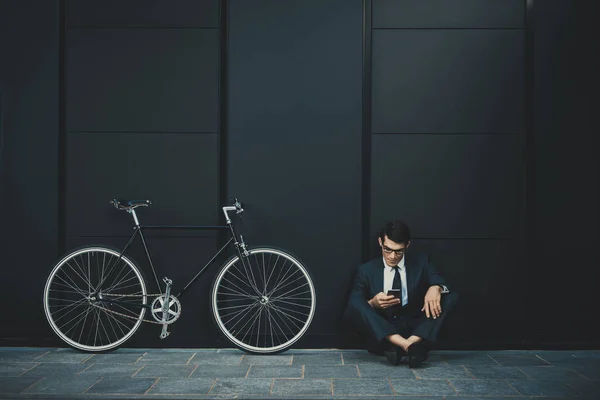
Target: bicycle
x=262, y=299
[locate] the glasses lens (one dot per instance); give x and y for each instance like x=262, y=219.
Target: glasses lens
x=389, y=251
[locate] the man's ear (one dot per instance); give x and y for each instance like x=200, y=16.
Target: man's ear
x=408, y=244
x=380, y=242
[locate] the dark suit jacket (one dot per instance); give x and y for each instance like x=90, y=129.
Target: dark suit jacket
x=421, y=274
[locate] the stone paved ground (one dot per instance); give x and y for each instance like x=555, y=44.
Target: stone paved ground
x=51, y=373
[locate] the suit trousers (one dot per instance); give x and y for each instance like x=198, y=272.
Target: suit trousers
x=405, y=321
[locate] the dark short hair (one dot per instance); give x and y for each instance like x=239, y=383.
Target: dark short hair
x=397, y=231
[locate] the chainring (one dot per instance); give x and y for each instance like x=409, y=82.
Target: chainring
x=173, y=313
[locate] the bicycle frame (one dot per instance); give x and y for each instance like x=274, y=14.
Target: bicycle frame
x=138, y=230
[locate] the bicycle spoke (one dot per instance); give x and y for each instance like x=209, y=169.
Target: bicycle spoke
x=118, y=322
x=289, y=283
x=253, y=321
x=74, y=286
x=252, y=280
x=74, y=307
x=291, y=291
x=280, y=328
x=272, y=270
x=294, y=304
x=290, y=318
x=82, y=273
x=238, y=313
x=248, y=281
x=278, y=285
x=242, y=290
x=72, y=319
x=74, y=304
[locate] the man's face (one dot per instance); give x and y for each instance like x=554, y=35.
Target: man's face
x=392, y=251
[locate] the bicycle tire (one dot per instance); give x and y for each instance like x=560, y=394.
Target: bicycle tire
x=89, y=291
x=285, y=319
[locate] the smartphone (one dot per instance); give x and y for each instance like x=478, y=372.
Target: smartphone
x=394, y=292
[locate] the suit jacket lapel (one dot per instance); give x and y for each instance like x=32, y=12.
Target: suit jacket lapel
x=378, y=276
x=410, y=275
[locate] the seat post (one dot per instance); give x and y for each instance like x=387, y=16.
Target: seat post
x=135, y=218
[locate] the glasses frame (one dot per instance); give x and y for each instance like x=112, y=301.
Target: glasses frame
x=387, y=250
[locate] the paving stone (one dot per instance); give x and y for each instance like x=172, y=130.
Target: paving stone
x=122, y=386
x=16, y=385
x=481, y=387
x=235, y=386
x=105, y=370
x=330, y=371
x=362, y=387
x=495, y=372
x=165, y=371
x=62, y=385
x=301, y=387
x=542, y=388
x=443, y=372
x=327, y=358
x=275, y=371
x=15, y=369
x=192, y=386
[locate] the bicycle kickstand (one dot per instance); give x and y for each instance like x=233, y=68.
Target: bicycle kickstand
x=165, y=308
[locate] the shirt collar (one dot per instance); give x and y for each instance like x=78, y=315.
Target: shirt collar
x=400, y=264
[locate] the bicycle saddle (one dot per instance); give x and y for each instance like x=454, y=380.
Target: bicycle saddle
x=129, y=204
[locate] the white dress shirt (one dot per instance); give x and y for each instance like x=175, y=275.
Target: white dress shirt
x=388, y=279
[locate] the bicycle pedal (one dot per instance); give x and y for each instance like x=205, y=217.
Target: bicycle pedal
x=163, y=335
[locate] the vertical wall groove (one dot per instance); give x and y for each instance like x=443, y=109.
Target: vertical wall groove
x=529, y=175
x=366, y=134
x=222, y=124
x=62, y=125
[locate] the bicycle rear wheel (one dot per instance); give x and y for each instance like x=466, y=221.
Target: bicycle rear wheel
x=265, y=302
x=93, y=300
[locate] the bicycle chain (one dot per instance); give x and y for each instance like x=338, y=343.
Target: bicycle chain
x=129, y=316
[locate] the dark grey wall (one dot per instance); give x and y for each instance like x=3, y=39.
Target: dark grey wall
x=327, y=118
x=564, y=220
x=29, y=132
x=294, y=137
x=142, y=122
x=448, y=142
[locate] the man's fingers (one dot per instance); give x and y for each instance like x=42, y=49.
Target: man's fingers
x=431, y=307
x=426, y=309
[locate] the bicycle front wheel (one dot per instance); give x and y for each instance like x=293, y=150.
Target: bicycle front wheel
x=95, y=300
x=265, y=302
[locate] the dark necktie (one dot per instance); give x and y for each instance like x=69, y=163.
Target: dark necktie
x=397, y=283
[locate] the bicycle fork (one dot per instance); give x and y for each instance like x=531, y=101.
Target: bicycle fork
x=165, y=308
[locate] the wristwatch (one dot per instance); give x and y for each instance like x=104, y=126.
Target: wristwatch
x=444, y=289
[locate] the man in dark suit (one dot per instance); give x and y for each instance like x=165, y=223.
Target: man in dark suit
x=404, y=324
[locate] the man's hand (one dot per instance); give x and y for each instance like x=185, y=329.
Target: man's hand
x=382, y=300
x=433, y=306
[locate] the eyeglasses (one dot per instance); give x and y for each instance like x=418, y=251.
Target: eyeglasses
x=398, y=252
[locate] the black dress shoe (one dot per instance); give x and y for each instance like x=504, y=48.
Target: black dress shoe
x=394, y=355
x=417, y=353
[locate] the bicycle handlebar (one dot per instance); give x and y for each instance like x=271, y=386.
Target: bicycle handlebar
x=237, y=206
x=129, y=204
